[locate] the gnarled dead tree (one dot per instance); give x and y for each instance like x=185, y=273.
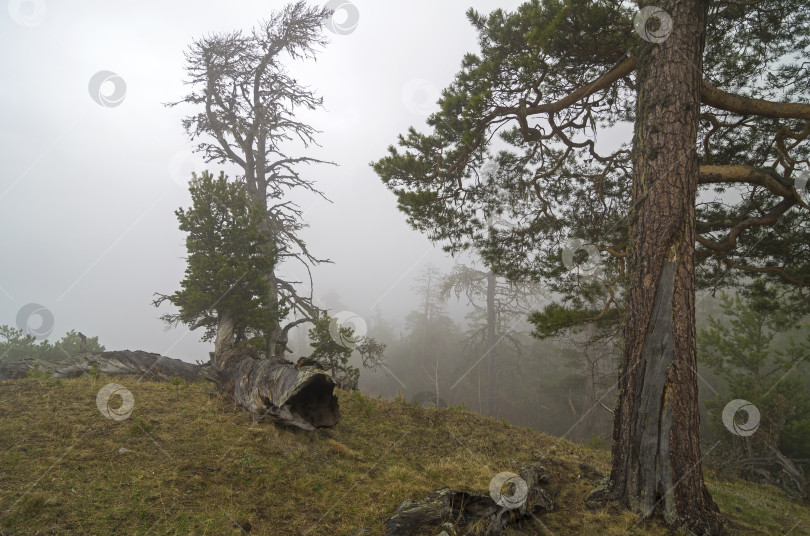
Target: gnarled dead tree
x=498, y=306
x=245, y=104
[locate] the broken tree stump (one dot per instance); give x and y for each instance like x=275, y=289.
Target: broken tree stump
x=464, y=508
x=276, y=390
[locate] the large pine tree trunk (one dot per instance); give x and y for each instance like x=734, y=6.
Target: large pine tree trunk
x=656, y=458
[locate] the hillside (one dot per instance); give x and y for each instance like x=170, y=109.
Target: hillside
x=188, y=463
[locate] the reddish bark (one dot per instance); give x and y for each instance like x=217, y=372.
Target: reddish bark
x=656, y=458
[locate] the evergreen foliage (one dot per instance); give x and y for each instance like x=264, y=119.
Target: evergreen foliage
x=755, y=351
x=226, y=261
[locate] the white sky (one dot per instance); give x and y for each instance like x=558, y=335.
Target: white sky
x=88, y=193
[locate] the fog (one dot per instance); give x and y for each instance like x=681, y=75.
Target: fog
x=88, y=192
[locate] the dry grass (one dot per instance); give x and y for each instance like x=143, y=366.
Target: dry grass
x=198, y=465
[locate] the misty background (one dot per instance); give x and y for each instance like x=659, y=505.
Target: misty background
x=88, y=192
x=97, y=161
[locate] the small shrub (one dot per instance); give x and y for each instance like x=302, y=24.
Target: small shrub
x=37, y=373
x=177, y=381
x=461, y=407
x=30, y=504
x=140, y=426
x=795, y=439
x=596, y=443
x=365, y=406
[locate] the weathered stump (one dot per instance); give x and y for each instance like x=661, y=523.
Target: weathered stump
x=463, y=508
x=277, y=390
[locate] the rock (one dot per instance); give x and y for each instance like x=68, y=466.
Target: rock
x=590, y=472
x=145, y=365
x=244, y=526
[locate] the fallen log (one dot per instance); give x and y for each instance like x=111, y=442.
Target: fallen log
x=776, y=469
x=275, y=389
x=146, y=365
x=527, y=499
x=346, y=380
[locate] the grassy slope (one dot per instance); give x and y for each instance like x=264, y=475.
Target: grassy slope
x=198, y=465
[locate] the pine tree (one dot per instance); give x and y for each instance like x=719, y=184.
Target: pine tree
x=245, y=104
x=709, y=189
x=332, y=346
x=226, y=263
x=753, y=351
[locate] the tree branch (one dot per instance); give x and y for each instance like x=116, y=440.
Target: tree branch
x=742, y=105
x=765, y=177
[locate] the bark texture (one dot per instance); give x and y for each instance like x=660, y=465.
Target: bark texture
x=277, y=390
x=656, y=458
x=225, y=330
x=146, y=365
